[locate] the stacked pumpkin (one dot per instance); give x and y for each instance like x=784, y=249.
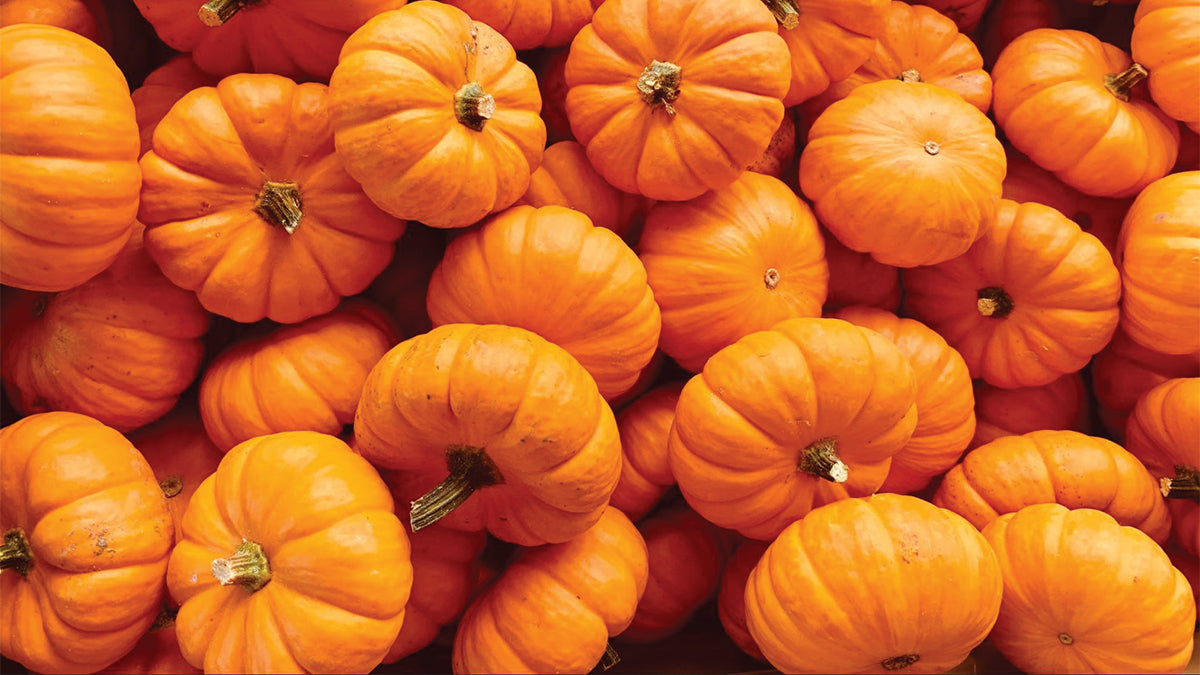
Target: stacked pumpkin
x=525, y=334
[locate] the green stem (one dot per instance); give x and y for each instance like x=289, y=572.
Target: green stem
x=473, y=106
x=248, y=567
x=15, y=553
x=216, y=12
x=470, y=469
x=1121, y=83
x=821, y=460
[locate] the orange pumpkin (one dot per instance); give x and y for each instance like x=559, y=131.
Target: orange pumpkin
x=731, y=596
x=1034, y=299
x=591, y=585
x=86, y=539
x=1125, y=370
x=292, y=560
x=966, y=14
x=644, y=426
x=923, y=572
x=670, y=118
x=736, y=260
x=401, y=288
x=1140, y=615
x=778, y=160
x=157, y=653
x=1110, y=141
x=788, y=419
x=550, y=271
x=906, y=171
x=826, y=41
x=434, y=115
x=68, y=143
x=161, y=89
x=532, y=23
x=566, y=178
x=549, y=66
x=858, y=279
x=1061, y=405
x=1166, y=41
x=88, y=18
x=1012, y=18
x=1188, y=564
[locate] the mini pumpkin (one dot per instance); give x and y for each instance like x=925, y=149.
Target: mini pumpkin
x=1061, y=404
x=731, y=596
x=1165, y=38
x=858, y=279
x=1125, y=370
x=532, y=23
x=161, y=89
x=644, y=426
x=157, y=653
x=88, y=18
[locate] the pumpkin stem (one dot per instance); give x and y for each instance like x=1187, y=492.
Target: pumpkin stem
x=821, y=460
x=1185, y=484
x=15, y=553
x=171, y=486
x=247, y=567
x=609, y=659
x=900, y=662
x=473, y=107
x=1121, y=83
x=659, y=83
x=216, y=12
x=785, y=13
x=910, y=75
x=165, y=618
x=279, y=204
x=470, y=469
x=771, y=278
x=994, y=302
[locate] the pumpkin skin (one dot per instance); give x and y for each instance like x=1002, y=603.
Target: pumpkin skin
x=945, y=399
x=307, y=376
x=1056, y=560
x=1060, y=405
x=924, y=568
x=549, y=66
x=1016, y=17
x=1034, y=299
x=668, y=131
x=435, y=117
x=532, y=23
x=858, y=279
x=966, y=14
x=644, y=426
x=68, y=143
x=83, y=510
x=155, y=654
x=1186, y=563
x=1110, y=141
x=401, y=287
x=1062, y=467
x=931, y=209
x=591, y=584
x=550, y=271
x=731, y=262
x=247, y=205
x=161, y=89
x=731, y=597
x=494, y=398
x=309, y=525
x=828, y=42
x=785, y=420
x=88, y=18
x=1159, y=256
x=120, y=348
x=1125, y=370
x=1165, y=35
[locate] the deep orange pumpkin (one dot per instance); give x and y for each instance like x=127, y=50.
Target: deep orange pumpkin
x=88, y=18
x=157, y=653
x=532, y=23
x=1166, y=40
x=731, y=597
x=1125, y=370
x=1061, y=404
x=858, y=279
x=161, y=89
x=644, y=426
x=966, y=14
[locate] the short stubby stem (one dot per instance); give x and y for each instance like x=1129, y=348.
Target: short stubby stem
x=771, y=278
x=279, y=204
x=247, y=567
x=900, y=662
x=785, y=12
x=993, y=302
x=216, y=12
x=1185, y=484
x=821, y=460
x=910, y=75
x=14, y=553
x=470, y=469
x=171, y=486
x=659, y=84
x=1120, y=84
x=473, y=107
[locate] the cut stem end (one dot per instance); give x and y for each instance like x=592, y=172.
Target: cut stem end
x=247, y=567
x=771, y=278
x=821, y=460
x=1120, y=84
x=785, y=12
x=279, y=204
x=659, y=84
x=993, y=302
x=473, y=107
x=1184, y=485
x=215, y=13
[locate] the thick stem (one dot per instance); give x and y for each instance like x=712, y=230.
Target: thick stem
x=171, y=486
x=247, y=567
x=785, y=12
x=1121, y=83
x=900, y=662
x=1184, y=485
x=609, y=659
x=14, y=553
x=659, y=84
x=821, y=460
x=993, y=302
x=910, y=75
x=473, y=106
x=470, y=469
x=771, y=278
x=279, y=204
x=216, y=12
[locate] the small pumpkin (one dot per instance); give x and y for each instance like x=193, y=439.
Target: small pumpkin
x=1188, y=564
x=532, y=23
x=644, y=426
x=1061, y=404
x=731, y=596
x=88, y=18
x=858, y=279
x=401, y=288
x=161, y=89
x=549, y=66
x=157, y=653
x=966, y=14
x=1165, y=38
x=1125, y=370
x=778, y=160
x=1012, y=18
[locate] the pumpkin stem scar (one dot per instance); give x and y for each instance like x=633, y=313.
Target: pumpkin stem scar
x=15, y=554
x=785, y=13
x=659, y=84
x=910, y=75
x=473, y=107
x=608, y=659
x=470, y=469
x=165, y=618
x=1066, y=639
x=171, y=486
x=279, y=204
x=1184, y=485
x=899, y=662
x=821, y=460
x=247, y=567
x=1119, y=84
x=993, y=302
x=771, y=278
x=216, y=12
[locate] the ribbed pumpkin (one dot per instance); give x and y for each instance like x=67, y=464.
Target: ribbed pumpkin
x=1034, y=299
x=549, y=65
x=1012, y=18
x=532, y=23
x=731, y=596
x=161, y=89
x=434, y=115
x=736, y=260
x=1083, y=594
x=923, y=572
x=401, y=288
x=86, y=539
x=590, y=584
x=670, y=118
x=858, y=279
x=644, y=426
x=966, y=14
x=906, y=171
x=778, y=160
x=69, y=144
x=1061, y=405
x=1166, y=40
x=88, y=18
x=156, y=653
x=1188, y=564
x=1125, y=370
x=550, y=271
x=788, y=419
x=826, y=41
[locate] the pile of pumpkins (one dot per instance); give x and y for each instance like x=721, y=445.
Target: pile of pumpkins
x=531, y=328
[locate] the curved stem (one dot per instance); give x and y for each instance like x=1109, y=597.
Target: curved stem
x=216, y=12
x=279, y=204
x=1121, y=83
x=821, y=460
x=994, y=302
x=785, y=12
x=900, y=662
x=1184, y=485
x=14, y=553
x=659, y=84
x=247, y=567
x=470, y=469
x=473, y=107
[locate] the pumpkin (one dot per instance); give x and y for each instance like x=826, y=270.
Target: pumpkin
x=121, y=347
x=644, y=426
x=1125, y=370
x=647, y=378
x=1164, y=432
x=1110, y=141
x=673, y=118
x=303, y=376
x=1189, y=151
x=858, y=279
x=788, y=419
x=778, y=160
x=550, y=271
x=926, y=576
x=1164, y=41
x=292, y=560
x=1186, y=563
x=68, y=143
x=1140, y=613
x=734, y=261
x=1016, y=17
x=157, y=653
x=590, y=584
x=731, y=596
x=906, y=171
x=1048, y=467
x=401, y=288
x=532, y=23
x=1061, y=404
x=434, y=115
x=1034, y=299
x=549, y=66
x=88, y=18
x=299, y=40
x=966, y=14
x=246, y=204
x=1159, y=256
x=945, y=400
x=86, y=539
x=513, y=427
x=161, y=89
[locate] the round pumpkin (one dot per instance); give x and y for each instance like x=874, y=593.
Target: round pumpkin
x=532, y=23
x=86, y=540
x=68, y=143
x=673, y=118
x=736, y=260
x=434, y=115
x=1166, y=41
x=161, y=89
x=906, y=171
x=858, y=279
x=157, y=653
x=644, y=426
x=1060, y=405
x=731, y=596
x=1125, y=370
x=778, y=160
x=88, y=18
x=926, y=576
x=292, y=560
